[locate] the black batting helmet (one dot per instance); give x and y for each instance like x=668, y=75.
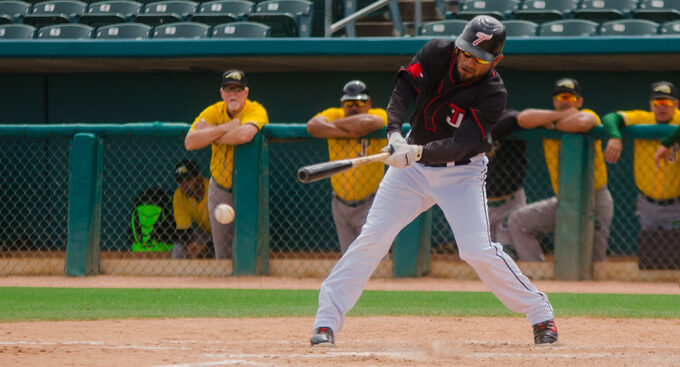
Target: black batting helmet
x=483, y=37
x=355, y=90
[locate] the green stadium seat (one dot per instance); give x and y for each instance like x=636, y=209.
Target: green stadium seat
x=629, y=27
x=520, y=28
x=568, y=28
x=65, y=31
x=168, y=11
x=670, y=28
x=605, y=10
x=450, y=27
x=659, y=11
x=16, y=31
x=110, y=12
x=540, y=11
x=222, y=11
x=499, y=9
x=240, y=30
x=181, y=30
x=127, y=30
x=287, y=18
x=13, y=11
x=55, y=12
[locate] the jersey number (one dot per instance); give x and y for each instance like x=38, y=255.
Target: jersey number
x=457, y=116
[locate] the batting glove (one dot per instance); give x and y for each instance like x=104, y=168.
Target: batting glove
x=395, y=138
x=402, y=155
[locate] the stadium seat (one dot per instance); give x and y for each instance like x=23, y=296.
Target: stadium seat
x=658, y=10
x=55, y=12
x=568, y=28
x=110, y=12
x=605, y=10
x=170, y=11
x=65, y=31
x=16, y=31
x=127, y=30
x=181, y=30
x=451, y=27
x=287, y=18
x=629, y=27
x=222, y=11
x=520, y=28
x=499, y=9
x=392, y=12
x=546, y=10
x=13, y=11
x=670, y=28
x=241, y=30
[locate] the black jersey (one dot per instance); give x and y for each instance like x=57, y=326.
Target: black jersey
x=451, y=118
x=507, y=158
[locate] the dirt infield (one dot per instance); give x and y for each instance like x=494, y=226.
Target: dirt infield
x=365, y=341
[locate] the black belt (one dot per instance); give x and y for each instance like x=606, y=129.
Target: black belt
x=662, y=202
x=461, y=162
x=357, y=203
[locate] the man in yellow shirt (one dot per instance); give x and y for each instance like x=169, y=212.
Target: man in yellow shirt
x=345, y=127
x=541, y=216
x=659, y=184
x=234, y=120
x=190, y=208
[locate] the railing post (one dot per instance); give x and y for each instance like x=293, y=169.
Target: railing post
x=84, y=205
x=576, y=209
x=251, y=203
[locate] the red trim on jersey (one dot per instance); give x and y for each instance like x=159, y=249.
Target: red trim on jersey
x=431, y=126
x=478, y=123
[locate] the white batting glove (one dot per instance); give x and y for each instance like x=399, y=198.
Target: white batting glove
x=395, y=138
x=402, y=154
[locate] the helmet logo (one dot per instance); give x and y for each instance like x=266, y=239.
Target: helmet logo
x=481, y=36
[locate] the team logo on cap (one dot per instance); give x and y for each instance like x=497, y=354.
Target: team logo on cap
x=481, y=36
x=663, y=88
x=566, y=83
x=234, y=75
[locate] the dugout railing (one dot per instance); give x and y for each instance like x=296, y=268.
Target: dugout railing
x=68, y=192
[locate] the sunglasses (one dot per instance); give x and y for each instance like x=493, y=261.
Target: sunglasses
x=664, y=102
x=477, y=59
x=233, y=88
x=562, y=97
x=353, y=103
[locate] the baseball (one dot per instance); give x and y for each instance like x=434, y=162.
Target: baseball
x=224, y=213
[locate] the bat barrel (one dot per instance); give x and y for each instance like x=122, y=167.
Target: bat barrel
x=320, y=171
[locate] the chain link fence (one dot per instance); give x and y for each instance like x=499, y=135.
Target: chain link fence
x=303, y=236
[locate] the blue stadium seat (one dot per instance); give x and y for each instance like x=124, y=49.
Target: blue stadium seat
x=520, y=28
x=499, y=9
x=181, y=30
x=568, y=28
x=13, y=11
x=670, y=28
x=287, y=18
x=65, y=31
x=127, y=30
x=605, y=10
x=546, y=10
x=659, y=11
x=241, y=30
x=222, y=11
x=16, y=31
x=451, y=27
x=629, y=27
x=168, y=11
x=55, y=12
x=110, y=12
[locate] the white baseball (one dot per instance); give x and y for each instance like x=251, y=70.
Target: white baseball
x=224, y=213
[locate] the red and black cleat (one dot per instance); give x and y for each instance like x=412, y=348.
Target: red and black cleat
x=545, y=332
x=323, y=336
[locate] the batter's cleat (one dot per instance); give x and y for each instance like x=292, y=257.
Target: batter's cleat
x=323, y=336
x=545, y=332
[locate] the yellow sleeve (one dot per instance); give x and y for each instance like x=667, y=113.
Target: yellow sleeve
x=332, y=113
x=255, y=114
x=379, y=112
x=212, y=114
x=182, y=216
x=637, y=117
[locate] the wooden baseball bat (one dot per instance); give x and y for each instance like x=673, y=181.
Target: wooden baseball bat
x=316, y=172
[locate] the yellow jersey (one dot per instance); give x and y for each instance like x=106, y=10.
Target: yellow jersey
x=660, y=184
x=551, y=148
x=187, y=210
x=357, y=183
x=222, y=160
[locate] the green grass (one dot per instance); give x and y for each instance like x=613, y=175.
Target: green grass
x=21, y=304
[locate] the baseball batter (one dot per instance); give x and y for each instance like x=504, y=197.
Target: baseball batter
x=458, y=97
